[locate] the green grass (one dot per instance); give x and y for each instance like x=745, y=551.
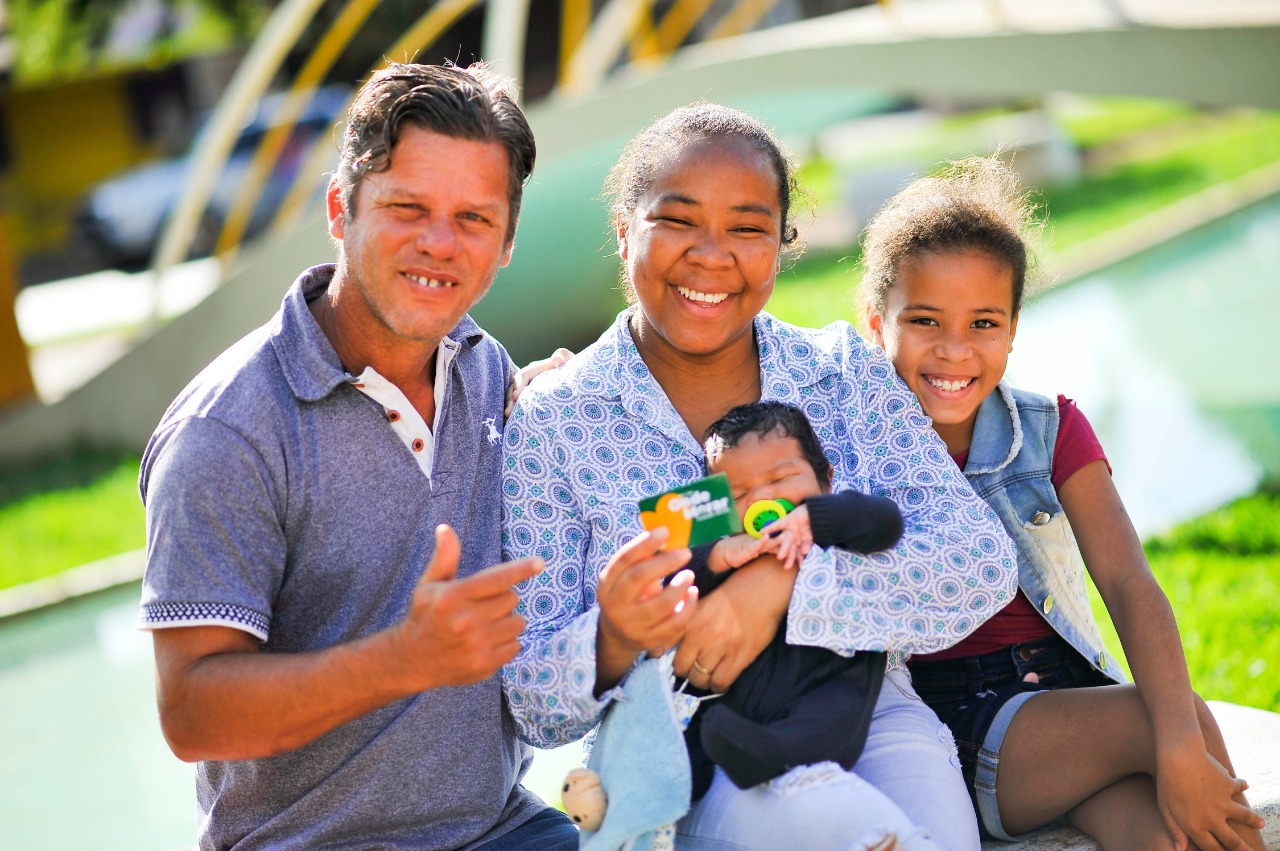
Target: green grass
x=1098, y=121
x=1196, y=159
x=66, y=513
x=1221, y=573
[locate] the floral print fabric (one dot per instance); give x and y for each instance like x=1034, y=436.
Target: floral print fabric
x=589, y=440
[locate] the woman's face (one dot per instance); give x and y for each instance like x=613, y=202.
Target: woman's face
x=701, y=248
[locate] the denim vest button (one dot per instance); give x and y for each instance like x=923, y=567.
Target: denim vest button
x=1047, y=605
x=1040, y=518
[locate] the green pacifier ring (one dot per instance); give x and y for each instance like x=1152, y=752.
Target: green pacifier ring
x=762, y=512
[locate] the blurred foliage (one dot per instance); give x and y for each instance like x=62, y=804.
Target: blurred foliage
x=59, y=38
x=1247, y=527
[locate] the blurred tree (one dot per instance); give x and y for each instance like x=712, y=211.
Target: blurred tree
x=59, y=38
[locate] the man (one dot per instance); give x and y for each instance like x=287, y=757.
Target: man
x=335, y=692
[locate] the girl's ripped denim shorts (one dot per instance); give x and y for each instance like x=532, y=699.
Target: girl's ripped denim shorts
x=978, y=696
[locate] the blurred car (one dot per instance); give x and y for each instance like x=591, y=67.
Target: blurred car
x=123, y=216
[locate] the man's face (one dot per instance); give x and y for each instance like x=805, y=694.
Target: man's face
x=425, y=238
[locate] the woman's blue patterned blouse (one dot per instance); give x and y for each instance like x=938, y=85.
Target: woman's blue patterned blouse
x=589, y=440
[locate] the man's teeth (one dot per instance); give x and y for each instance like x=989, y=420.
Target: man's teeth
x=433, y=283
x=950, y=386
x=705, y=298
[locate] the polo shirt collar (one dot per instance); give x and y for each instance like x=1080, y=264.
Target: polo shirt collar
x=307, y=358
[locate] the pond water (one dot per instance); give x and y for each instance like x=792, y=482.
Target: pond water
x=1173, y=355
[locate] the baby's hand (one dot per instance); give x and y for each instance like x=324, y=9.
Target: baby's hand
x=790, y=538
x=736, y=550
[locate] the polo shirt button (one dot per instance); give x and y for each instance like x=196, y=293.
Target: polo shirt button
x=393, y=416
x=1048, y=604
x=1040, y=518
x=418, y=444
x=1102, y=661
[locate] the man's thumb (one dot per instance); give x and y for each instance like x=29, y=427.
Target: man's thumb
x=444, y=562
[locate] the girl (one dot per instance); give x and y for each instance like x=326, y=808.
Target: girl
x=1044, y=727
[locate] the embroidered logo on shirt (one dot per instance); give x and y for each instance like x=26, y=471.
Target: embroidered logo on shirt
x=494, y=435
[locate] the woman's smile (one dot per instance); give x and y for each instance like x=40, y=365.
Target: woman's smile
x=701, y=248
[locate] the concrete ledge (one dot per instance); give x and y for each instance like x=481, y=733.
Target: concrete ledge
x=1253, y=738
x=86, y=579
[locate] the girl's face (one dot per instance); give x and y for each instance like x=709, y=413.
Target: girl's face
x=701, y=248
x=948, y=327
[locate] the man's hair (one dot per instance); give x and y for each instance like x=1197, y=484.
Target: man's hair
x=464, y=103
x=765, y=418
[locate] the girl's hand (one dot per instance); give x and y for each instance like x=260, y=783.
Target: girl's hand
x=521, y=379
x=637, y=613
x=736, y=550
x=791, y=537
x=1200, y=800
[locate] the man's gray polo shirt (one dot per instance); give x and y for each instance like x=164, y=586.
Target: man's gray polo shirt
x=281, y=502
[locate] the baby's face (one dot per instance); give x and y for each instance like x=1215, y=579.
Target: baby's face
x=769, y=467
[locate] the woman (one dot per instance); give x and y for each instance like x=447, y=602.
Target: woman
x=702, y=204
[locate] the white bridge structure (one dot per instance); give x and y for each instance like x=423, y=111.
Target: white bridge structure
x=800, y=64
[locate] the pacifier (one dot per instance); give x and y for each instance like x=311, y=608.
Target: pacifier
x=762, y=512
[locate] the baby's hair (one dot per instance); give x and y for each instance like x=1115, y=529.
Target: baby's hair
x=764, y=418
x=974, y=204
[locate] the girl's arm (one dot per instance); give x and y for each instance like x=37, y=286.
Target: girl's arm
x=1194, y=790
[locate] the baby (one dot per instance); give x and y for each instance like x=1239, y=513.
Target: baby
x=793, y=705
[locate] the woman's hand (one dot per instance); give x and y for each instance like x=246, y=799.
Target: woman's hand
x=1200, y=800
x=523, y=376
x=638, y=614
x=733, y=625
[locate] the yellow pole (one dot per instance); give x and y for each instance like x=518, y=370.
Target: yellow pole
x=339, y=35
x=575, y=21
x=742, y=18
x=16, y=384
x=644, y=38
x=678, y=22
x=424, y=31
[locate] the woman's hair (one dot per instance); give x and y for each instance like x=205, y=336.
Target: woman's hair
x=668, y=137
x=974, y=204
x=765, y=418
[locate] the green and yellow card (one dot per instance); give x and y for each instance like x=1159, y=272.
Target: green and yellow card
x=694, y=514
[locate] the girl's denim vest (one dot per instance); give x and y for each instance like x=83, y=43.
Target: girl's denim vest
x=1009, y=465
